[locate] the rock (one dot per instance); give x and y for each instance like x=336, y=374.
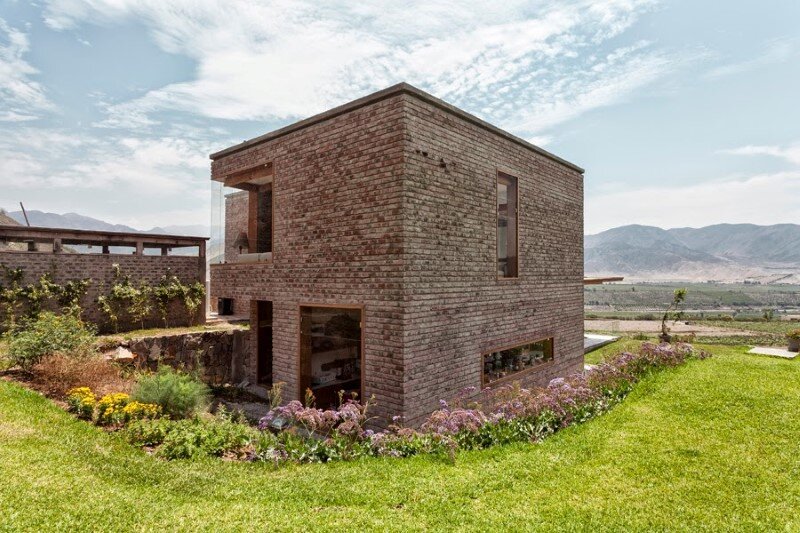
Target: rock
x=121, y=355
x=155, y=352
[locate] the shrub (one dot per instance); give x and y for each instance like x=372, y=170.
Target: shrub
x=139, y=411
x=179, y=395
x=793, y=334
x=81, y=401
x=195, y=438
x=50, y=334
x=148, y=432
x=110, y=408
x=56, y=374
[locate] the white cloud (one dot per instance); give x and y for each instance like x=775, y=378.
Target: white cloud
x=759, y=199
x=21, y=98
x=525, y=66
x=139, y=181
x=790, y=153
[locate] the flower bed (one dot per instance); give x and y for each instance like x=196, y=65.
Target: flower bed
x=475, y=420
x=301, y=433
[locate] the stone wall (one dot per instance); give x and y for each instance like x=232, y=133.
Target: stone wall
x=220, y=354
x=98, y=267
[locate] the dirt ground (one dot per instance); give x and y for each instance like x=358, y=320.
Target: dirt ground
x=654, y=326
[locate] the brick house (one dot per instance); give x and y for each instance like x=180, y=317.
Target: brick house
x=400, y=247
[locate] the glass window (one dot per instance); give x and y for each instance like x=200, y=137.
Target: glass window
x=260, y=226
x=506, y=226
x=330, y=352
x=510, y=361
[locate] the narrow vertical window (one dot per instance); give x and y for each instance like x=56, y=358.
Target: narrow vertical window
x=506, y=226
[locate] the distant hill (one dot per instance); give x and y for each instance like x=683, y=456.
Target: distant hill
x=76, y=221
x=6, y=220
x=723, y=252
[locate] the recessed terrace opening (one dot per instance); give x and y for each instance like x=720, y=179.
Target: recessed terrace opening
x=254, y=244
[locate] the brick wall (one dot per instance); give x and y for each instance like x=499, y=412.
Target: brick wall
x=456, y=309
x=392, y=206
x=67, y=266
x=337, y=194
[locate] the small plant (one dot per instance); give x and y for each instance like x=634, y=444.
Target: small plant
x=167, y=290
x=197, y=437
x=11, y=292
x=125, y=297
x=794, y=340
x=180, y=395
x=672, y=313
x=81, y=401
x=49, y=334
x=110, y=408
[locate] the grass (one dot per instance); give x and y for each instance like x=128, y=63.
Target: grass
x=156, y=332
x=711, y=445
x=777, y=327
x=625, y=344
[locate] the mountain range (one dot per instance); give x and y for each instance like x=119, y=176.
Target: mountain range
x=76, y=221
x=722, y=252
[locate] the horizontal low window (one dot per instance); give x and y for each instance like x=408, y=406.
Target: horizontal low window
x=508, y=362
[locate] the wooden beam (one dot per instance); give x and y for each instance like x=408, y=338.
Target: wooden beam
x=237, y=179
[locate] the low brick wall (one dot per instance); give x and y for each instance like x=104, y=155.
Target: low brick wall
x=98, y=267
x=219, y=354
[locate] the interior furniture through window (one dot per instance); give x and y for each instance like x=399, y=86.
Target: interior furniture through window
x=509, y=362
x=330, y=352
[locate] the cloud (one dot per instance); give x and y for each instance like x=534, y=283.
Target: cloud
x=790, y=153
x=775, y=51
x=140, y=181
x=21, y=98
x=527, y=67
x=750, y=199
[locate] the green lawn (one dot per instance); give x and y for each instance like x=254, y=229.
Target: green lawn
x=624, y=344
x=778, y=327
x=711, y=445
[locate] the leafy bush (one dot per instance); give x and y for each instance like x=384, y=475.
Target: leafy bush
x=49, y=334
x=81, y=401
x=195, y=438
x=58, y=373
x=793, y=334
x=110, y=408
x=139, y=411
x=179, y=395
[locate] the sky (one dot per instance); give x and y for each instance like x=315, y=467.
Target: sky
x=683, y=113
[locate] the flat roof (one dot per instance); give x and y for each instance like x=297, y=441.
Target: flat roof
x=600, y=281
x=400, y=88
x=35, y=233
